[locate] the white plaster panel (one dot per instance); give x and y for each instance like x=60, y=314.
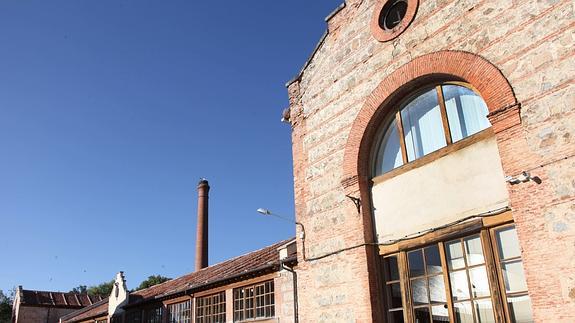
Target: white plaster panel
x=467, y=182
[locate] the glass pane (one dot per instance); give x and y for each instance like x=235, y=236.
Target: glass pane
x=513, y=276
x=419, y=291
x=394, y=295
x=422, y=125
x=395, y=316
x=520, y=309
x=463, y=312
x=484, y=311
x=474, y=251
x=454, y=254
x=389, y=152
x=437, y=289
x=415, y=263
x=466, y=111
x=391, y=268
x=422, y=315
x=508, y=243
x=459, y=287
x=479, y=282
x=440, y=314
x=432, y=260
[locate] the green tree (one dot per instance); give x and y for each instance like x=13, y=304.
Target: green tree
x=104, y=289
x=81, y=289
x=5, y=307
x=152, y=280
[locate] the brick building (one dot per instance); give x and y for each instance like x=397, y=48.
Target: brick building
x=47, y=307
x=257, y=286
x=433, y=163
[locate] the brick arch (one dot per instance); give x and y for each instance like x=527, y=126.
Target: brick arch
x=443, y=65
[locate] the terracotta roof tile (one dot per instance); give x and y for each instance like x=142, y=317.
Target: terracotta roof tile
x=248, y=263
x=56, y=299
x=97, y=309
x=251, y=263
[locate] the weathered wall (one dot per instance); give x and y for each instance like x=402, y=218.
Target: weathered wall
x=466, y=182
x=531, y=42
x=29, y=314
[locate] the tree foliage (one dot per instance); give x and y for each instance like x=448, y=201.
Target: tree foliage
x=103, y=289
x=152, y=280
x=5, y=307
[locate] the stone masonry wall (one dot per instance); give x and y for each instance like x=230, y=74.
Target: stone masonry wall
x=532, y=43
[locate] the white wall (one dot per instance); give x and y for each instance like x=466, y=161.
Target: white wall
x=466, y=182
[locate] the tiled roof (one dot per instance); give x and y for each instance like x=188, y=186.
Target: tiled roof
x=266, y=259
x=92, y=311
x=57, y=299
x=254, y=263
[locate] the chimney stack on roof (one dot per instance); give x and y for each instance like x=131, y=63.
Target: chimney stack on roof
x=202, y=230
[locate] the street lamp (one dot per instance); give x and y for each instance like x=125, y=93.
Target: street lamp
x=267, y=212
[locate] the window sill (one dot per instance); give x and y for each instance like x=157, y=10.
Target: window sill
x=260, y=320
x=431, y=157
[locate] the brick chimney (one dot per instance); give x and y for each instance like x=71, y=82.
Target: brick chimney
x=202, y=230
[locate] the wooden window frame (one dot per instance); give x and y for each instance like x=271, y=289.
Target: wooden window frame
x=180, y=302
x=210, y=317
x=243, y=300
x=434, y=155
x=486, y=228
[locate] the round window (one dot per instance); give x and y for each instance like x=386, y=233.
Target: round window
x=392, y=14
x=391, y=17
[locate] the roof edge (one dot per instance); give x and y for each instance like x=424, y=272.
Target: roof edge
x=84, y=310
x=335, y=11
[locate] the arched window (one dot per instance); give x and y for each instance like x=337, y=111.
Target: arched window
x=429, y=120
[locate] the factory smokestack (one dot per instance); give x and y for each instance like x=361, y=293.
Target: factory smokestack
x=202, y=230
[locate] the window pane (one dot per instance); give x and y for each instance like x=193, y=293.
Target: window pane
x=459, y=287
x=466, y=111
x=432, y=260
x=389, y=152
x=479, y=282
x=474, y=251
x=484, y=311
x=513, y=276
x=419, y=291
x=520, y=309
x=415, y=263
x=396, y=317
x=394, y=295
x=437, y=289
x=463, y=312
x=508, y=243
x=422, y=125
x=422, y=315
x=440, y=313
x=391, y=268
x=454, y=254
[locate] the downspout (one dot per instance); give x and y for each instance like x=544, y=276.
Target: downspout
x=295, y=300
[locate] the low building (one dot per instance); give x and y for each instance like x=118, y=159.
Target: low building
x=254, y=286
x=47, y=307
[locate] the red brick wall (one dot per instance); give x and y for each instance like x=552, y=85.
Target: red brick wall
x=528, y=45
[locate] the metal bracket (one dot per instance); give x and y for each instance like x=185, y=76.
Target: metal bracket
x=355, y=201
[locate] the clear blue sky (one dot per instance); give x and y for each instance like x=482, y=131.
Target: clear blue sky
x=111, y=111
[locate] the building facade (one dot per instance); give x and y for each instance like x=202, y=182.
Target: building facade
x=434, y=162
x=257, y=286
x=47, y=307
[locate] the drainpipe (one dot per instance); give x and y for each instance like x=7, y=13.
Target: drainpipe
x=295, y=300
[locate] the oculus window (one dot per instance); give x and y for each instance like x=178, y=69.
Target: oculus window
x=429, y=120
